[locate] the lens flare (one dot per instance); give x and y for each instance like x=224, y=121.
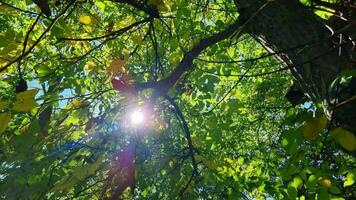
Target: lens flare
x=137, y=117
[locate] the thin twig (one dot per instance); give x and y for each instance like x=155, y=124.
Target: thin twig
x=112, y=34
x=19, y=9
x=229, y=91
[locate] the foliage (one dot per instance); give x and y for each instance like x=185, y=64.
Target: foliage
x=70, y=77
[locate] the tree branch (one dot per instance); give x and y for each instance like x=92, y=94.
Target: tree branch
x=186, y=133
x=247, y=75
x=38, y=40
x=112, y=34
x=164, y=85
x=229, y=91
x=18, y=9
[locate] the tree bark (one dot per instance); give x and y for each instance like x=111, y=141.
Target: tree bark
x=311, y=51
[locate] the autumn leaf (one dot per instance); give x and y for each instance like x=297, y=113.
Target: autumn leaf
x=325, y=182
x=91, y=66
x=86, y=20
x=345, y=138
x=4, y=121
x=117, y=66
x=313, y=127
x=76, y=103
x=25, y=100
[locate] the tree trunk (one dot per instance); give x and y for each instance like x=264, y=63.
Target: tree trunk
x=310, y=50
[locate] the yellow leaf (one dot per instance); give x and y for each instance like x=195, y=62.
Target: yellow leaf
x=325, y=182
x=25, y=100
x=76, y=103
x=312, y=128
x=117, y=66
x=91, y=66
x=345, y=138
x=4, y=121
x=86, y=20
x=4, y=104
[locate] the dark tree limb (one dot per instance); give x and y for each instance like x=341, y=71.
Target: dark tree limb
x=186, y=133
x=25, y=45
x=233, y=31
x=181, y=192
x=161, y=87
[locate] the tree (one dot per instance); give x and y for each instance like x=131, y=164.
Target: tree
x=177, y=99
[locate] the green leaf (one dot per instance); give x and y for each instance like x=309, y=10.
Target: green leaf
x=297, y=182
x=311, y=182
x=292, y=192
x=350, y=179
x=335, y=190
x=77, y=175
x=100, y=5
x=345, y=138
x=323, y=194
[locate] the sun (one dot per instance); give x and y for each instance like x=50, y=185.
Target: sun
x=137, y=117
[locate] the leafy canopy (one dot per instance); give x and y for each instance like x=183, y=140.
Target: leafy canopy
x=73, y=71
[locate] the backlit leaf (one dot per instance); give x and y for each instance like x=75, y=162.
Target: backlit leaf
x=312, y=128
x=117, y=66
x=25, y=100
x=77, y=175
x=345, y=138
x=350, y=179
x=86, y=20
x=174, y=58
x=297, y=182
